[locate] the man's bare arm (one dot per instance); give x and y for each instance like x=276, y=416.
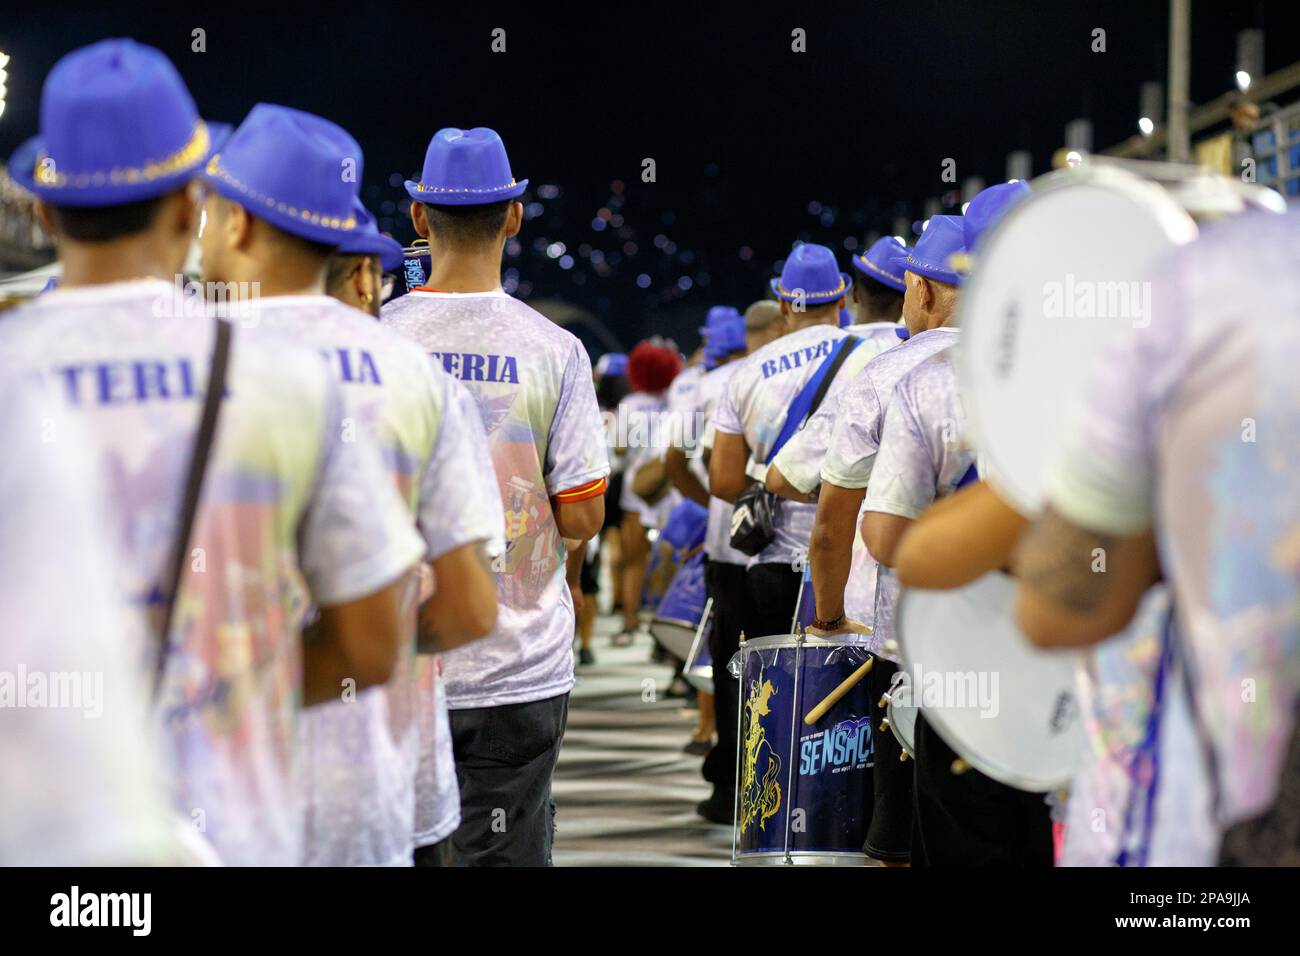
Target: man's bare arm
x=778, y=484
x=683, y=479
x=881, y=534
x=463, y=607
x=830, y=551
x=358, y=640
x=727, y=477
x=958, y=539
x=1078, y=586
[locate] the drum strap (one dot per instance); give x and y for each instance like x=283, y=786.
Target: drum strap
x=1144, y=771
x=971, y=476
x=198, y=466
x=810, y=397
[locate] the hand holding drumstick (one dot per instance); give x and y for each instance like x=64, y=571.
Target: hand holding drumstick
x=831, y=699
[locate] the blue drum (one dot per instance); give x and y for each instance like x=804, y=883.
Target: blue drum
x=681, y=610
x=804, y=791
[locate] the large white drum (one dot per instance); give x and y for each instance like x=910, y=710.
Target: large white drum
x=1064, y=272
x=1008, y=708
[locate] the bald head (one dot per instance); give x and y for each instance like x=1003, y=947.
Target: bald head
x=763, y=323
x=928, y=303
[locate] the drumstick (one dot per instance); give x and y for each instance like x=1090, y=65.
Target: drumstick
x=833, y=698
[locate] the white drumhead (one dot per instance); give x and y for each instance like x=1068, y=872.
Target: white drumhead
x=1008, y=708
x=1059, y=277
x=675, y=636
x=902, y=716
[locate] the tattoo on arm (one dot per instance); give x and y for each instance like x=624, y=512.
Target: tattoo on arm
x=1058, y=559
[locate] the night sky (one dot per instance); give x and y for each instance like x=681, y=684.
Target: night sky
x=755, y=146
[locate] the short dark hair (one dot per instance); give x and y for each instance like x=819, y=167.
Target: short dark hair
x=610, y=390
x=341, y=265
x=467, y=225
x=879, y=298
x=106, y=223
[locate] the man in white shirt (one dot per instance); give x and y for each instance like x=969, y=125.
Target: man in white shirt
x=532, y=380
x=361, y=752
x=286, y=499
x=755, y=410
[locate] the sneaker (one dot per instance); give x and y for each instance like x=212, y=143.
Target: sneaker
x=623, y=638
x=697, y=748
x=719, y=808
x=585, y=656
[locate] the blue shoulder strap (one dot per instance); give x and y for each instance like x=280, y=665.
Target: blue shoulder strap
x=972, y=475
x=810, y=396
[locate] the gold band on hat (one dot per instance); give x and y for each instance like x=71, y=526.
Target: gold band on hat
x=862, y=261
x=452, y=189
x=261, y=199
x=49, y=177
x=833, y=294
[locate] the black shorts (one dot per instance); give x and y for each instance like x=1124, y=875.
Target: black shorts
x=969, y=819
x=889, y=838
x=588, y=575
x=613, y=513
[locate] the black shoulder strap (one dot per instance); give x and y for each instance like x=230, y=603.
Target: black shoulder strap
x=851, y=342
x=194, y=484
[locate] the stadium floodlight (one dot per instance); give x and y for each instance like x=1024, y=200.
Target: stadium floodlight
x=1151, y=107
x=1250, y=57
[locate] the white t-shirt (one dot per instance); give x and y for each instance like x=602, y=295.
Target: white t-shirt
x=849, y=452
x=361, y=754
x=82, y=782
x=287, y=497
x=756, y=403
x=532, y=381
x=645, y=425
x=463, y=459
x=924, y=453
x=800, y=461
x=717, y=536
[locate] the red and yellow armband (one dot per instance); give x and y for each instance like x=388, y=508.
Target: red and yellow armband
x=591, y=489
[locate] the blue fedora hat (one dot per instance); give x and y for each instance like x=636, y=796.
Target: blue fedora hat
x=988, y=207
x=611, y=363
x=723, y=338
x=880, y=262
x=465, y=167
x=717, y=315
x=367, y=240
x=291, y=169
x=941, y=239
x=117, y=126
x=811, y=273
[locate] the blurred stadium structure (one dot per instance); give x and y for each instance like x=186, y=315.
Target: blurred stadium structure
x=629, y=268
